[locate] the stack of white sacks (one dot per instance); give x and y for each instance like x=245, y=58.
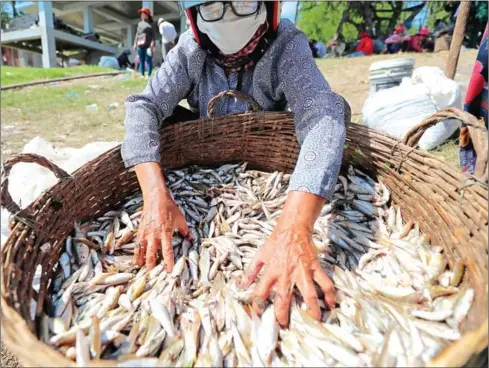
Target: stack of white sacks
x=395, y=110
x=28, y=181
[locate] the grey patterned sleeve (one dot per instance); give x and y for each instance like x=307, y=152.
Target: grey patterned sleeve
x=144, y=111
x=320, y=117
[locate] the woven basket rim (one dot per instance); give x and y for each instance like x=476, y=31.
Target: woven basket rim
x=18, y=334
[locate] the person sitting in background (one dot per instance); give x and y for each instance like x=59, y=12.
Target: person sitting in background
x=416, y=42
x=336, y=47
x=379, y=46
x=395, y=41
x=321, y=49
x=124, y=61
x=365, y=47
x=312, y=46
x=136, y=65
x=168, y=35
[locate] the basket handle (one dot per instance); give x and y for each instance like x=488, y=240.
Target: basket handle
x=6, y=198
x=413, y=135
x=238, y=95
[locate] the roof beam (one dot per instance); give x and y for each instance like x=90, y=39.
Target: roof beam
x=102, y=32
x=170, y=5
x=79, y=5
x=83, y=42
x=116, y=25
x=21, y=35
x=64, y=9
x=112, y=15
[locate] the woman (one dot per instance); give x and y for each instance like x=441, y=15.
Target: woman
x=416, y=44
x=394, y=42
x=244, y=46
x=124, y=61
x=476, y=103
x=365, y=47
x=144, y=42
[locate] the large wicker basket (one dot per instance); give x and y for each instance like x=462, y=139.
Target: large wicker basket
x=449, y=206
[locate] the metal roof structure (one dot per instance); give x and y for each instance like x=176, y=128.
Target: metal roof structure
x=114, y=21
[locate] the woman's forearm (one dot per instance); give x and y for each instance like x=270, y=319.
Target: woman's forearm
x=151, y=180
x=301, y=209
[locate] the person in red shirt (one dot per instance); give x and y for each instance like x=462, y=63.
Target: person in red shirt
x=416, y=42
x=365, y=47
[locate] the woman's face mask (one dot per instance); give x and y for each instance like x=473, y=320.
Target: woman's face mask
x=231, y=33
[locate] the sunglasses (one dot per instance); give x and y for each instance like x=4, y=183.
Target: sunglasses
x=212, y=11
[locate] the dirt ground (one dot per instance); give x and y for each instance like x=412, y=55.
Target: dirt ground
x=349, y=76
x=60, y=112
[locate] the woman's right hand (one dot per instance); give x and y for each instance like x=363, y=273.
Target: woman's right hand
x=161, y=217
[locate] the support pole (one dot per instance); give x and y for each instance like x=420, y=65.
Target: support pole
x=87, y=19
x=150, y=6
x=183, y=23
x=130, y=36
x=48, y=41
x=457, y=39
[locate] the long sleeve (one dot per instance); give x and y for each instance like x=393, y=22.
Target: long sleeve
x=416, y=44
x=144, y=111
x=320, y=116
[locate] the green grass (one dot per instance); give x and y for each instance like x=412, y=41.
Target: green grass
x=448, y=153
x=14, y=75
x=59, y=112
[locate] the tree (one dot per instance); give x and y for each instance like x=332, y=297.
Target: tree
x=14, y=10
x=319, y=19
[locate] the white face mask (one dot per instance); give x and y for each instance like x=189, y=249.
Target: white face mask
x=232, y=32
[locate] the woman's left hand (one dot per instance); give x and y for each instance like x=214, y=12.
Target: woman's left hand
x=289, y=257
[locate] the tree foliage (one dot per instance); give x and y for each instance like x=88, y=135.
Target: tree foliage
x=322, y=19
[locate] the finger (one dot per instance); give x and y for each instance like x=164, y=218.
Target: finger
x=252, y=271
x=182, y=227
x=151, y=253
x=326, y=286
x=282, y=300
x=167, y=250
x=309, y=294
x=262, y=292
x=142, y=251
x=137, y=252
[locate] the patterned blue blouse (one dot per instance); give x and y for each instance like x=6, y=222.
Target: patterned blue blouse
x=285, y=77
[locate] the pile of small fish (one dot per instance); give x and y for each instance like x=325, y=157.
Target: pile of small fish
x=398, y=303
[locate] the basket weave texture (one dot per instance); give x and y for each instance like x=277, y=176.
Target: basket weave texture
x=450, y=207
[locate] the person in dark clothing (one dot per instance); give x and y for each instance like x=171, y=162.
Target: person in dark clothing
x=124, y=61
x=416, y=43
x=312, y=45
x=145, y=40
